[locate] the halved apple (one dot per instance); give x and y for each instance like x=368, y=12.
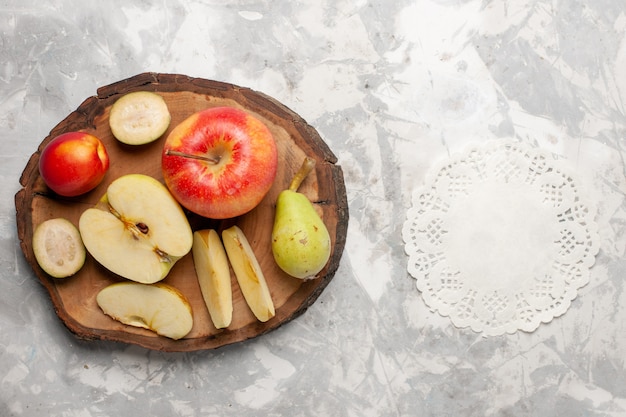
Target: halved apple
x=213, y=272
x=249, y=274
x=157, y=307
x=137, y=230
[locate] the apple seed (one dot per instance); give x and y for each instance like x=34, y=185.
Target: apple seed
x=142, y=227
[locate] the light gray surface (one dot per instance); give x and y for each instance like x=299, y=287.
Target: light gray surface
x=390, y=86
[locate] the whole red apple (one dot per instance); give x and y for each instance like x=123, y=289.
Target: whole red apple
x=220, y=162
x=73, y=163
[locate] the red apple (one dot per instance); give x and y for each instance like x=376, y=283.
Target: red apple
x=73, y=163
x=220, y=162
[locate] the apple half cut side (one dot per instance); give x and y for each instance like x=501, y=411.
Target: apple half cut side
x=249, y=274
x=213, y=272
x=137, y=230
x=157, y=307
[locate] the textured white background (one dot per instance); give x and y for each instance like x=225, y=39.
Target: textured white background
x=391, y=86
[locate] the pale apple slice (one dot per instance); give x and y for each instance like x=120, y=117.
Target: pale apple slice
x=137, y=230
x=249, y=274
x=58, y=248
x=213, y=272
x=157, y=307
x=138, y=118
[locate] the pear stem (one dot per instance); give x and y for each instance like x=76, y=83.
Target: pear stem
x=305, y=169
x=188, y=155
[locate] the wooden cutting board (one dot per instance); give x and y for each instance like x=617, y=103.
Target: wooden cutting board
x=74, y=298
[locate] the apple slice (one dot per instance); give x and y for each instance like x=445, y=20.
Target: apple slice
x=158, y=307
x=58, y=247
x=139, y=118
x=249, y=274
x=137, y=230
x=211, y=264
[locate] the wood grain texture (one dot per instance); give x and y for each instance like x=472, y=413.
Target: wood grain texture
x=74, y=298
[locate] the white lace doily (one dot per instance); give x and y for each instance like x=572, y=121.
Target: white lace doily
x=499, y=238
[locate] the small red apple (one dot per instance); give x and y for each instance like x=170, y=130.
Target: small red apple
x=73, y=163
x=220, y=162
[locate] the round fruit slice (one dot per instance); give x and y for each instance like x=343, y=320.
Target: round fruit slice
x=58, y=248
x=139, y=118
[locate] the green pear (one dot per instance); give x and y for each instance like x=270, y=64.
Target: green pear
x=300, y=240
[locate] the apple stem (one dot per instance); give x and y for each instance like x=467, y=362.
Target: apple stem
x=305, y=169
x=187, y=155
